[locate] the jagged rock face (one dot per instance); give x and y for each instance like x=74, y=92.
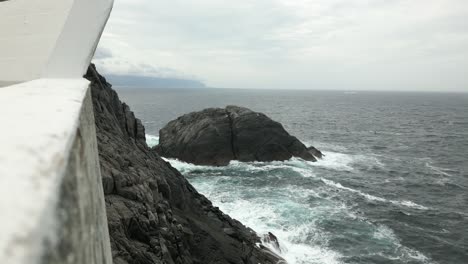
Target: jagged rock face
x=154, y=214
x=201, y=138
x=215, y=136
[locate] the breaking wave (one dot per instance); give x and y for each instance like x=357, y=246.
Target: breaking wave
x=151, y=140
x=375, y=198
x=302, y=204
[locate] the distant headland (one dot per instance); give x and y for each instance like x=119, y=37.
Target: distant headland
x=153, y=82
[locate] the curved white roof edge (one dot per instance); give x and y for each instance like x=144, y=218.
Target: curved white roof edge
x=46, y=45
x=49, y=38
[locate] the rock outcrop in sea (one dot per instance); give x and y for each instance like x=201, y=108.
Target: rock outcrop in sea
x=215, y=136
x=154, y=213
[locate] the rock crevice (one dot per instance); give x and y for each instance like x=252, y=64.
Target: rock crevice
x=233, y=136
x=154, y=213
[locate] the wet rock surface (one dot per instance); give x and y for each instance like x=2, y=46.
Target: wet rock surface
x=215, y=136
x=273, y=240
x=154, y=214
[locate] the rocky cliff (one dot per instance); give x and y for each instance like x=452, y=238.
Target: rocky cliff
x=154, y=214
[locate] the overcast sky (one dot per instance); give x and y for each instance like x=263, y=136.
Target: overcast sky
x=292, y=44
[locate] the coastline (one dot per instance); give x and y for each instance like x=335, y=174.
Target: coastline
x=154, y=214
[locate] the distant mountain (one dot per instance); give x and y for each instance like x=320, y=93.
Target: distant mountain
x=152, y=82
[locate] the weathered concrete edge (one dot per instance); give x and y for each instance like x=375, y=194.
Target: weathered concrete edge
x=49, y=144
x=82, y=235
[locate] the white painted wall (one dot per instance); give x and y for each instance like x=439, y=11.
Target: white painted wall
x=78, y=40
x=39, y=122
x=42, y=121
x=46, y=46
x=49, y=38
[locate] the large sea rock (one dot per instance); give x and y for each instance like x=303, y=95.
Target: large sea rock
x=154, y=214
x=215, y=136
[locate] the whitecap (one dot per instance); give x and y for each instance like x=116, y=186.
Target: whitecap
x=185, y=167
x=152, y=140
x=366, y=195
x=267, y=214
x=281, y=210
x=335, y=161
x=343, y=162
x=331, y=160
x=323, y=146
x=370, y=197
x=439, y=170
x=295, y=164
x=304, y=172
x=385, y=233
x=264, y=218
x=305, y=254
x=413, y=205
x=414, y=254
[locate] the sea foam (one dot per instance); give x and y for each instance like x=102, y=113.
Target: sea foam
x=285, y=210
x=375, y=198
x=151, y=140
x=265, y=216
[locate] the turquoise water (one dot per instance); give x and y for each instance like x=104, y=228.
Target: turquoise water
x=392, y=187
x=305, y=211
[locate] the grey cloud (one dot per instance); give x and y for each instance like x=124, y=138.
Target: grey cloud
x=102, y=53
x=322, y=44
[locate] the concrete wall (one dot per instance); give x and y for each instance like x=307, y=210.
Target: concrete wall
x=79, y=38
x=29, y=31
x=82, y=234
x=49, y=38
x=51, y=197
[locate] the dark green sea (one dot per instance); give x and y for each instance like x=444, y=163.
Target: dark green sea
x=392, y=187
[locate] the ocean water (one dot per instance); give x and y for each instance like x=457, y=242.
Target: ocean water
x=392, y=187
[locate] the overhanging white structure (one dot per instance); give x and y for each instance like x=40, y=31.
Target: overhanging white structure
x=51, y=195
x=49, y=38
